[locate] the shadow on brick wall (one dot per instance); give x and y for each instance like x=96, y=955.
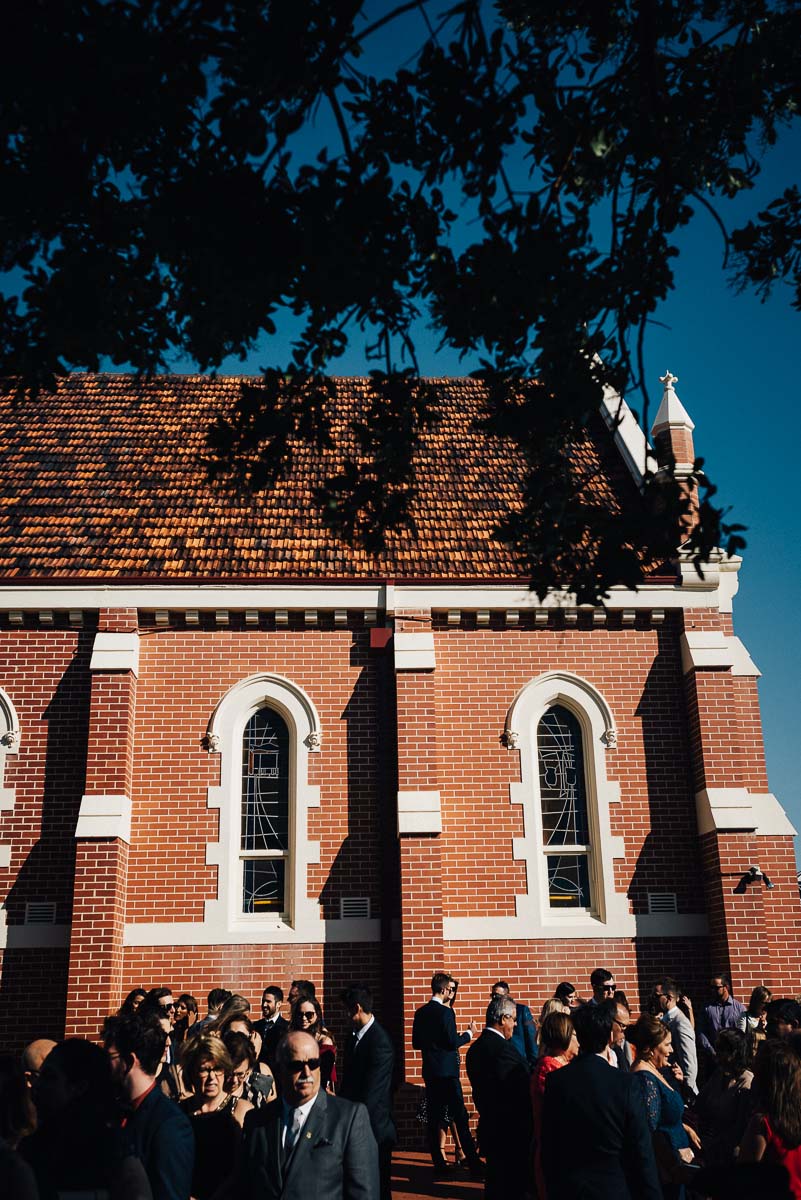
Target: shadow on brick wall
x=669, y=860
x=48, y=871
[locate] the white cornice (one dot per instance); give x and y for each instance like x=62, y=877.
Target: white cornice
x=711, y=590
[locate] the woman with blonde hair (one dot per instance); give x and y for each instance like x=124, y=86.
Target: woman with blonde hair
x=551, y=1006
x=215, y=1113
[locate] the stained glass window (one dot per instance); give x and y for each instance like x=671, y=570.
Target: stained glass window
x=264, y=842
x=563, y=797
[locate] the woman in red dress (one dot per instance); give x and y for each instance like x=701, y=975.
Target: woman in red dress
x=558, y=1044
x=774, y=1132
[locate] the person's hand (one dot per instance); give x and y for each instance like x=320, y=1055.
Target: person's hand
x=686, y=1155
x=474, y=1028
x=677, y=1072
x=695, y=1141
x=329, y=1087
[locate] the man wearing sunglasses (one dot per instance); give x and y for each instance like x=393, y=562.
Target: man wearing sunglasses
x=603, y=986
x=309, y=1143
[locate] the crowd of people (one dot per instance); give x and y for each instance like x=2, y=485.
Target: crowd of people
x=583, y=1101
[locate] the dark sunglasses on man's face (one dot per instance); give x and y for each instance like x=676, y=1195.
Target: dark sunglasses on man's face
x=610, y=987
x=296, y=1065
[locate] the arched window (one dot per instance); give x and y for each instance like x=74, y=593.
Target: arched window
x=563, y=799
x=265, y=819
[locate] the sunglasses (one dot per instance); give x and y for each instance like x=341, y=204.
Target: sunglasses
x=296, y=1065
x=309, y=1015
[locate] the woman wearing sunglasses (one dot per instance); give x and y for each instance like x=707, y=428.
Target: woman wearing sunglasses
x=307, y=1017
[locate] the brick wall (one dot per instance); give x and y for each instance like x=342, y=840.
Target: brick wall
x=422, y=730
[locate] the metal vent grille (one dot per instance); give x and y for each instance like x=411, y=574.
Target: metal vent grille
x=40, y=912
x=354, y=906
x=662, y=902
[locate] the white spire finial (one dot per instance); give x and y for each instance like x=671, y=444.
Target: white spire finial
x=672, y=414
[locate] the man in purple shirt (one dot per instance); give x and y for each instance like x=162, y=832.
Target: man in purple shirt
x=722, y=1013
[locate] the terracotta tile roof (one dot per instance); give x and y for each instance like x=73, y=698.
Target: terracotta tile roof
x=104, y=478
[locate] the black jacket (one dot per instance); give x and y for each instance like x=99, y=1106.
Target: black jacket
x=161, y=1135
x=434, y=1033
x=501, y=1092
x=367, y=1076
x=595, y=1138
x=270, y=1038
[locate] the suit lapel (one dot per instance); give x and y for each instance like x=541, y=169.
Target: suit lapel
x=272, y=1133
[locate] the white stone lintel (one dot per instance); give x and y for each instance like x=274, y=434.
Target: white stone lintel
x=520, y=928
x=7, y=798
x=738, y=811
x=104, y=817
x=710, y=648
x=414, y=651
x=5, y=856
x=115, y=652
x=253, y=933
x=419, y=812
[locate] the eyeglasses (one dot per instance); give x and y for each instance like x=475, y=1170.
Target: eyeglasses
x=210, y=1071
x=609, y=987
x=169, y=1006
x=621, y=1024
x=296, y=1065
x=307, y=1014
x=508, y=1017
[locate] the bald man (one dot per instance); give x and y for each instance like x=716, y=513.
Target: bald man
x=308, y=1143
x=32, y=1058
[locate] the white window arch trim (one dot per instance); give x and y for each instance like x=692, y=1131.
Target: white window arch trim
x=597, y=725
x=534, y=917
x=224, y=736
x=9, y=744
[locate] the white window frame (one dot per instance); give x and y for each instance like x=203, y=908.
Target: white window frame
x=609, y=915
x=225, y=734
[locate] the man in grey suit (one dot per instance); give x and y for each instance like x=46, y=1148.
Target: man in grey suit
x=667, y=992
x=307, y=1144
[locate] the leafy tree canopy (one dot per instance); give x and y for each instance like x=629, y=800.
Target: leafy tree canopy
x=176, y=174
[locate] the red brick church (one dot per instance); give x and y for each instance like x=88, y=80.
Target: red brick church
x=234, y=750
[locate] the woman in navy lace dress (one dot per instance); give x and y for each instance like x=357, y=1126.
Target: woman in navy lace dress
x=664, y=1105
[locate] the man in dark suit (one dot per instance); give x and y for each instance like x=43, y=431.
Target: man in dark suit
x=272, y=1026
x=155, y=1128
x=524, y=1038
x=368, y=1063
x=308, y=1143
x=434, y=1033
x=501, y=1092
x=595, y=1138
